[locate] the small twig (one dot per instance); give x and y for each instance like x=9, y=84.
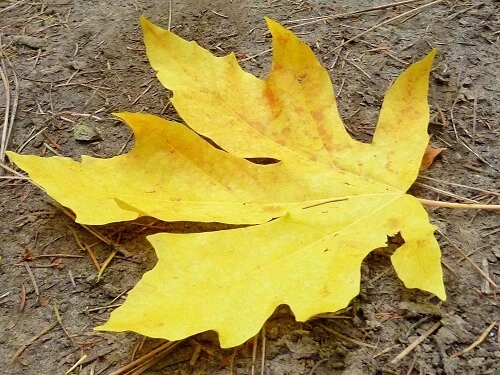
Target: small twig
x=478, y=341
x=105, y=264
x=26, y=142
x=467, y=206
x=315, y=367
x=15, y=5
x=14, y=104
x=92, y=256
x=417, y=342
x=256, y=55
x=88, y=228
x=348, y=14
x=83, y=357
x=32, y=340
x=489, y=192
x=104, y=307
x=59, y=320
x=169, y=15
x=444, y=192
x=22, y=304
x=71, y=278
x=16, y=173
x=485, y=286
x=254, y=352
x=141, y=95
x=412, y=365
x=129, y=138
x=220, y=14
x=477, y=154
x=231, y=361
x=5, y=128
x=32, y=278
x=196, y=354
x=385, y=351
x=345, y=338
x=359, y=68
x=263, y=356
x=383, y=24
x=449, y=18
x=474, y=119
x=162, y=349
x=468, y=259
x=137, y=347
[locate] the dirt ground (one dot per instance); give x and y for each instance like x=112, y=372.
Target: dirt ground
x=78, y=61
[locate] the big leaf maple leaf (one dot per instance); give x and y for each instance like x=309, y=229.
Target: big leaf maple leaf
x=327, y=203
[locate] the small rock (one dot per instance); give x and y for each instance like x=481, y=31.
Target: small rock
x=451, y=365
x=445, y=336
x=416, y=309
x=496, y=251
x=458, y=327
x=38, y=141
x=29, y=41
x=475, y=362
x=86, y=133
x=304, y=348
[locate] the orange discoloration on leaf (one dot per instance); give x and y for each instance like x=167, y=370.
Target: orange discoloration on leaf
x=315, y=214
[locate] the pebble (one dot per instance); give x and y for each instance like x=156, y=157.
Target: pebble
x=29, y=41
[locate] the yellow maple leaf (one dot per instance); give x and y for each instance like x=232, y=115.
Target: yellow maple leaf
x=333, y=199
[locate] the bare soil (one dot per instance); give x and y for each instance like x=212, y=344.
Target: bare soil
x=79, y=61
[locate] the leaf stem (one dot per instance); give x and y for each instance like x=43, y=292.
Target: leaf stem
x=474, y=206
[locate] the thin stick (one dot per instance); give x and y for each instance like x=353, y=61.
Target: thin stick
x=32, y=278
x=71, y=278
x=231, y=361
x=5, y=129
x=468, y=259
x=256, y=55
x=88, y=228
x=83, y=358
x=263, y=357
x=57, y=256
x=412, y=365
x=105, y=264
x=384, y=23
x=25, y=143
x=92, y=256
x=348, y=14
x=16, y=100
x=478, y=341
x=462, y=186
x=385, y=351
x=345, y=338
x=141, y=95
x=474, y=119
x=447, y=193
x=254, y=352
x=169, y=15
x=319, y=363
x=23, y=297
x=103, y=307
x=138, y=347
x=10, y=7
x=59, y=320
x=166, y=347
x=467, y=206
x=417, y=342
x=485, y=286
x=32, y=340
